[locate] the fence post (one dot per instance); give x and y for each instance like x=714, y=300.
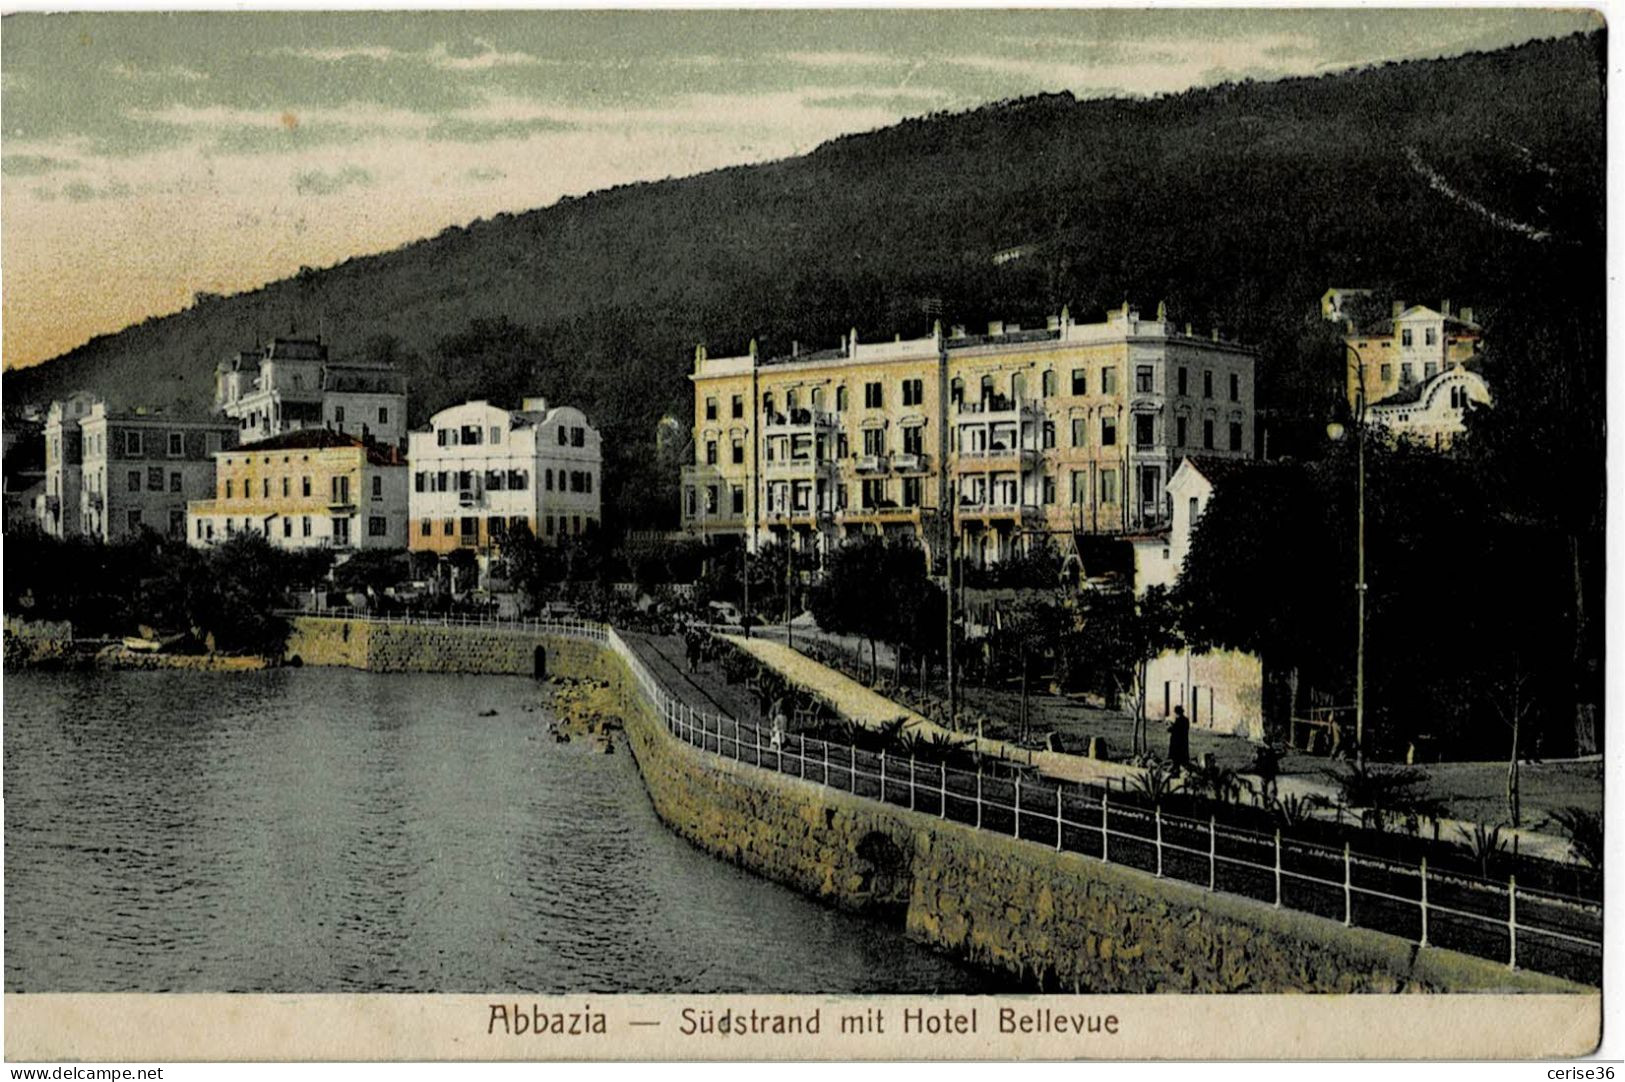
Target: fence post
x=778, y=755
x=852, y=766
x=1277, y=869
x=1512, y=922
x=911, y=783
x=978, y=796
x=738, y=757
x=942, y=781
x=1212, y=853
x=1105, y=828
x=1157, y=814
x=883, y=775
x=1057, y=818
x=1348, y=889
x=1424, y=874
x=1017, y=803
x=801, y=756
x=757, y=729
x=826, y=762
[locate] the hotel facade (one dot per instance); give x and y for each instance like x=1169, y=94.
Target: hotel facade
x=482, y=471
x=306, y=489
x=1058, y=430
x=292, y=384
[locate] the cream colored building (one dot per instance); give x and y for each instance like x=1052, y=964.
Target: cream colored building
x=141, y=468
x=311, y=488
x=59, y=508
x=1057, y=429
x=481, y=471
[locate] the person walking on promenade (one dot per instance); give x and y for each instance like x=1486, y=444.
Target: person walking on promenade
x=1179, y=739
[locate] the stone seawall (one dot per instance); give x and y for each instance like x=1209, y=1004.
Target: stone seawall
x=1060, y=921
x=384, y=648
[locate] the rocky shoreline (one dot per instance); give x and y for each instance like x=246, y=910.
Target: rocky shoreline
x=585, y=710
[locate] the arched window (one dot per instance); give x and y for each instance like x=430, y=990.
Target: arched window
x=1048, y=384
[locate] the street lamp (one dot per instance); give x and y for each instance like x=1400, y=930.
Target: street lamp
x=1335, y=431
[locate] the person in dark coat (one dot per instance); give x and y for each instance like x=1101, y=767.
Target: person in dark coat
x=1179, y=739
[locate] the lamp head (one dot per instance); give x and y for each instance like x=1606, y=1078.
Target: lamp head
x=1334, y=431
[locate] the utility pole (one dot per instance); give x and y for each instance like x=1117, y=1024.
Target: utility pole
x=953, y=701
x=1335, y=431
x=754, y=473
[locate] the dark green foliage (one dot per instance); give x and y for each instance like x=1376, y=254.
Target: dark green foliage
x=1484, y=845
x=878, y=590
x=1386, y=796
x=229, y=594
x=372, y=569
x=1584, y=831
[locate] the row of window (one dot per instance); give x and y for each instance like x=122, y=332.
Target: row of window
x=913, y=390
x=499, y=481
x=155, y=480
x=139, y=443
x=874, y=493
x=377, y=526
x=468, y=526
x=339, y=489
x=474, y=435
x=874, y=439
x=134, y=522
x=1431, y=334
x=1407, y=372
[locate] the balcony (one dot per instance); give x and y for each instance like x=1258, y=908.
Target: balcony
x=796, y=517
x=798, y=467
x=886, y=514
x=996, y=509
x=911, y=462
x=997, y=457
x=800, y=421
x=469, y=497
x=871, y=463
x=95, y=500
x=997, y=408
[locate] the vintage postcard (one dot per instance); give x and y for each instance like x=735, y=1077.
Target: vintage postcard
x=804, y=534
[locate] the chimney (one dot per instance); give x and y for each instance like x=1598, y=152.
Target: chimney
x=1444, y=309
x=1466, y=315
x=1052, y=323
x=1215, y=334
x=995, y=328
x=1188, y=331
x=1399, y=308
x=537, y=404
x=795, y=347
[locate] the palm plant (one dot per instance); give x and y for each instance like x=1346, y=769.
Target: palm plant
x=1158, y=780
x=1584, y=831
x=1386, y=795
x=1482, y=844
x=1216, y=782
x=1292, y=810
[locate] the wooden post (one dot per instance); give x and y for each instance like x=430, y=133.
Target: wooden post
x=1157, y=814
x=1105, y=828
x=911, y=783
x=1017, y=803
x=978, y=797
x=1348, y=889
x=1057, y=818
x=1277, y=869
x=852, y=767
x=801, y=756
x=826, y=762
x=883, y=776
x=1424, y=876
x=942, y=806
x=1512, y=922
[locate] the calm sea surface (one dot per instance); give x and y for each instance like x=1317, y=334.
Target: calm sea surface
x=326, y=830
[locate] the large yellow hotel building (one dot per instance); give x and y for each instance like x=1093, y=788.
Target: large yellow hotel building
x=1058, y=429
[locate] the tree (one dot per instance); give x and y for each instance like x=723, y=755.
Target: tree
x=878, y=590
x=1118, y=637
x=1510, y=699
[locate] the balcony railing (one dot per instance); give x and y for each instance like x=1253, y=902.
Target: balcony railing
x=871, y=463
x=982, y=459
x=798, y=467
x=996, y=508
x=911, y=462
x=996, y=408
x=801, y=418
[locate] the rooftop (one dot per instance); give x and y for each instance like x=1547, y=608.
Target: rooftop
x=319, y=439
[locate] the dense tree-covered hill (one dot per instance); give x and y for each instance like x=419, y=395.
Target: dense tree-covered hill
x=1478, y=178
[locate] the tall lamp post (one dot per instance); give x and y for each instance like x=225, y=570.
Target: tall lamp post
x=1335, y=431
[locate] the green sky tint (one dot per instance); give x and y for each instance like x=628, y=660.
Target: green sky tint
x=279, y=133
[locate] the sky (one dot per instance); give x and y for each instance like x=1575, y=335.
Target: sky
x=147, y=157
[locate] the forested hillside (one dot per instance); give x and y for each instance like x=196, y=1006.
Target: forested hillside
x=1479, y=178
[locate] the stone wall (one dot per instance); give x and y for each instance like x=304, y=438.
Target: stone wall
x=358, y=644
x=1059, y=921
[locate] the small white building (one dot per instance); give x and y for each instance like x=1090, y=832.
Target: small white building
x=1221, y=690
x=481, y=471
x=293, y=384
x=1433, y=411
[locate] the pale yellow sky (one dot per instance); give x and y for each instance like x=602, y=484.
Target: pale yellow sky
x=147, y=157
